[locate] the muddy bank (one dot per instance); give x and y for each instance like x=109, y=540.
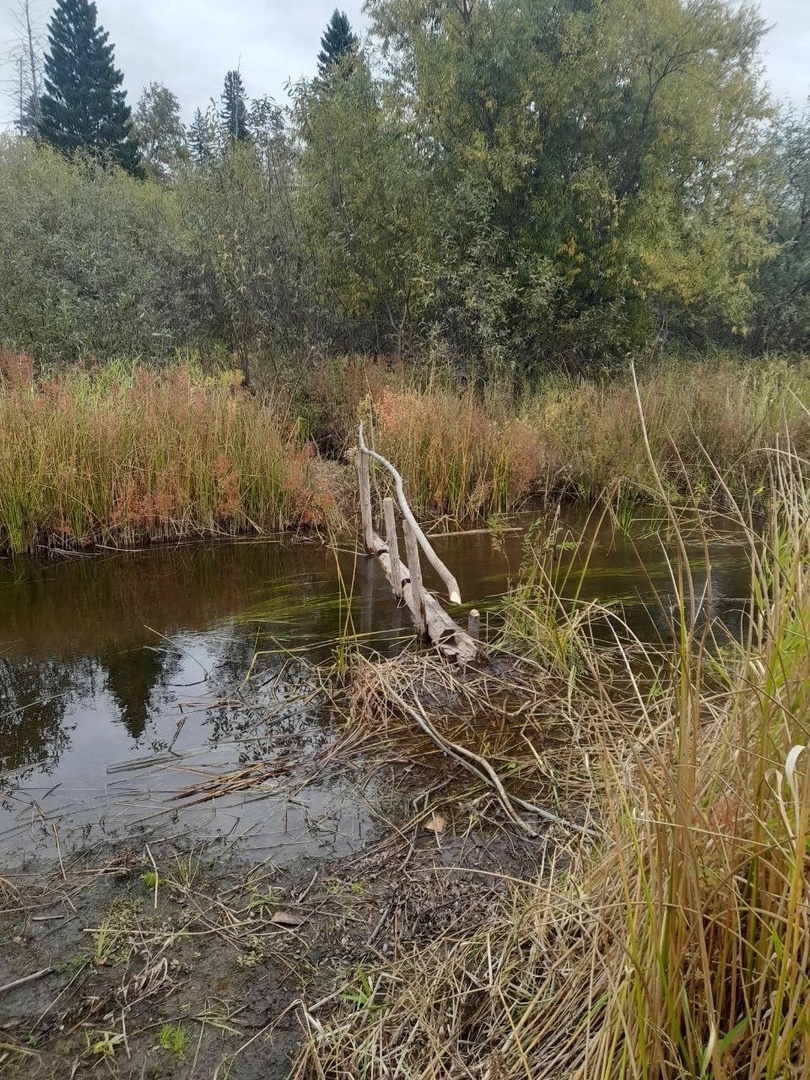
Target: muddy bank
x=174, y=955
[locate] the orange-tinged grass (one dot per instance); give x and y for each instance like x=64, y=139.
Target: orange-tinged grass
x=88, y=460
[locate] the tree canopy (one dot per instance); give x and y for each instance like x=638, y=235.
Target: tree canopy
x=515, y=185
x=83, y=107
x=234, y=112
x=338, y=43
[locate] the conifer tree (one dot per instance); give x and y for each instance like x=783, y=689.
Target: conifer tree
x=234, y=111
x=203, y=136
x=337, y=43
x=84, y=107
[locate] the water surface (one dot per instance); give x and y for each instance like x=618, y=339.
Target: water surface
x=123, y=678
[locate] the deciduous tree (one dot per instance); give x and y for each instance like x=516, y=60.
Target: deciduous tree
x=160, y=131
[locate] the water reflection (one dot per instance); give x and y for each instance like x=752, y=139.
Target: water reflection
x=103, y=661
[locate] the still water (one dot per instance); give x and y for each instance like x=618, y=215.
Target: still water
x=130, y=681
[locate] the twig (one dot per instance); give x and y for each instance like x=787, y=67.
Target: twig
x=157, y=879
x=306, y=891
x=59, y=850
x=26, y=979
x=481, y=768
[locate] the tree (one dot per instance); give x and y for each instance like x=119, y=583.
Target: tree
x=160, y=131
x=83, y=107
x=29, y=77
x=338, y=43
x=783, y=301
x=204, y=135
x=361, y=196
x=594, y=167
x=234, y=110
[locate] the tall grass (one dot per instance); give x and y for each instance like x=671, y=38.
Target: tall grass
x=121, y=454
x=679, y=945
x=126, y=455
x=467, y=453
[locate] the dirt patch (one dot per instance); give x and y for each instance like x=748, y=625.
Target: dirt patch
x=168, y=956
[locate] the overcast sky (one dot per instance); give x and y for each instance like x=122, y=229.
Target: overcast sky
x=190, y=44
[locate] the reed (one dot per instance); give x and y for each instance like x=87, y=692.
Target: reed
x=126, y=455
x=717, y=411
x=464, y=455
x=678, y=944
x=119, y=454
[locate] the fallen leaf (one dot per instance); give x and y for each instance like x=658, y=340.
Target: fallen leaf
x=286, y=918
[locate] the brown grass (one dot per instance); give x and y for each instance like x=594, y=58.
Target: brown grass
x=127, y=456
x=678, y=945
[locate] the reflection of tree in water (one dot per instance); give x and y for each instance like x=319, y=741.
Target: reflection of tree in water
x=275, y=709
x=132, y=677
x=34, y=696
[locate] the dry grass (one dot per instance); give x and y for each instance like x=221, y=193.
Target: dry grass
x=714, y=414
x=679, y=944
x=467, y=454
x=126, y=456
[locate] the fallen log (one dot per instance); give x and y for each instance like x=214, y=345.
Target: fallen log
x=448, y=637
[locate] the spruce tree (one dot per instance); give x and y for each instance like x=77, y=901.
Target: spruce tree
x=234, y=111
x=83, y=107
x=337, y=43
x=201, y=138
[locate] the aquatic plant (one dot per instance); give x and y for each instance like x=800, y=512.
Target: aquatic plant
x=678, y=944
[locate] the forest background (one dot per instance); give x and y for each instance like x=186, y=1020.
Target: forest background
x=512, y=188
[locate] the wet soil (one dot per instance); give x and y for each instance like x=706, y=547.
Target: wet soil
x=175, y=956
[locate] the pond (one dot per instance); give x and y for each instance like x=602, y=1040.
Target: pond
x=124, y=696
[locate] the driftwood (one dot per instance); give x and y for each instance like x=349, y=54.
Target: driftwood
x=392, y=543
x=430, y=618
x=407, y=514
x=417, y=604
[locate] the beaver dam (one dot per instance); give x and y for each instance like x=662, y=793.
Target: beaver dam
x=221, y=812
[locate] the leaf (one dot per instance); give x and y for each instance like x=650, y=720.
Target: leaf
x=287, y=918
x=436, y=824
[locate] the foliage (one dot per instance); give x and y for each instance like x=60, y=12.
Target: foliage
x=83, y=107
x=511, y=187
x=237, y=212
x=204, y=136
x=360, y=199
x=593, y=165
x=160, y=132
x=234, y=111
x=94, y=262
x=783, y=302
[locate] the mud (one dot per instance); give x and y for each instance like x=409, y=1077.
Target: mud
x=176, y=956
